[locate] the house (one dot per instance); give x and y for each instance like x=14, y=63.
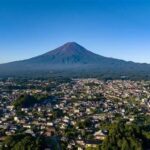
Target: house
x=92, y=143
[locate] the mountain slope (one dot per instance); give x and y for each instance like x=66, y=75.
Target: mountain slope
x=69, y=53
x=72, y=57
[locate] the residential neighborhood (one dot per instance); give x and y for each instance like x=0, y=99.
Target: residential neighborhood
x=74, y=113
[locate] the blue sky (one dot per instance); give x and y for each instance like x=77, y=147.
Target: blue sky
x=113, y=28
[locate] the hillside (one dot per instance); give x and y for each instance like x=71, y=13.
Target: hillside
x=72, y=58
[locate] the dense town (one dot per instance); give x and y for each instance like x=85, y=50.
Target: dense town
x=72, y=114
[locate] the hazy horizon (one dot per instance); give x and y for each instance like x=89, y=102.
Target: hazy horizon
x=118, y=28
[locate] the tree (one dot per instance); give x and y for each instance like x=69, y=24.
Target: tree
x=22, y=142
x=24, y=101
x=124, y=137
